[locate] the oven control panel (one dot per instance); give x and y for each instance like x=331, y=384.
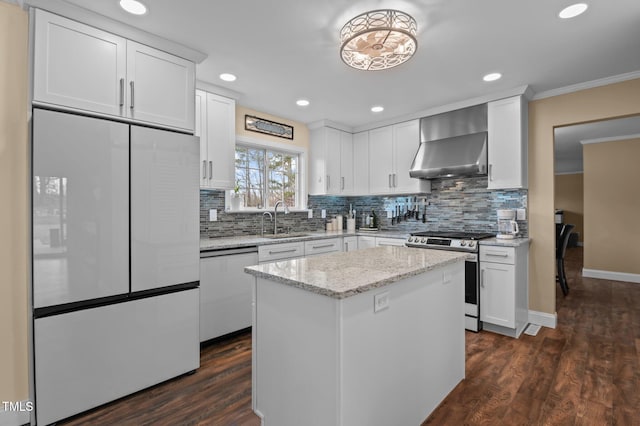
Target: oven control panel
x=442, y=243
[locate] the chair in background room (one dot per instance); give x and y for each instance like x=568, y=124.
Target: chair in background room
x=562, y=240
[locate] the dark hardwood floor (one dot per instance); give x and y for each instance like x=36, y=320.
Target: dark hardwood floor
x=584, y=372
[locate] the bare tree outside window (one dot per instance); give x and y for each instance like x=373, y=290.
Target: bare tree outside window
x=264, y=177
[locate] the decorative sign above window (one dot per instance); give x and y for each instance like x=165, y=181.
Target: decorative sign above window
x=260, y=125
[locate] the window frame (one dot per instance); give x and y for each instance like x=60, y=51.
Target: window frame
x=277, y=147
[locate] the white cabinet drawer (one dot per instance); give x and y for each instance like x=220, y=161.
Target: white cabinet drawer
x=273, y=252
x=312, y=248
x=497, y=254
x=382, y=241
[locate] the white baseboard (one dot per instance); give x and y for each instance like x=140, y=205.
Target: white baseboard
x=610, y=275
x=544, y=319
x=14, y=418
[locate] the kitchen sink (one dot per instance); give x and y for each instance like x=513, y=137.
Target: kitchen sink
x=281, y=236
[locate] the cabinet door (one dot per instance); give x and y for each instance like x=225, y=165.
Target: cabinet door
x=361, y=163
x=201, y=132
x=507, y=150
x=160, y=86
x=350, y=243
x=497, y=294
x=346, y=163
x=221, y=142
x=380, y=160
x=406, y=139
x=78, y=66
x=366, y=242
x=225, y=294
x=332, y=161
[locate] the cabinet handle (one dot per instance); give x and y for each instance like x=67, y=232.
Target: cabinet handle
x=490, y=170
x=346, y=246
x=482, y=278
x=322, y=246
x=390, y=183
x=210, y=169
x=204, y=169
x=281, y=251
x=132, y=93
x=328, y=182
x=395, y=180
x=498, y=254
x=122, y=92
x=342, y=183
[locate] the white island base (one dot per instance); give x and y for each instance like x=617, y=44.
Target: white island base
x=319, y=360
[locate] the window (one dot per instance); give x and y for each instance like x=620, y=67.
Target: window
x=265, y=176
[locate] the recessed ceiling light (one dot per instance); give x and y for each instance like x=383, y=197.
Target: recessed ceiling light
x=573, y=10
x=133, y=6
x=377, y=108
x=227, y=77
x=492, y=77
x=302, y=102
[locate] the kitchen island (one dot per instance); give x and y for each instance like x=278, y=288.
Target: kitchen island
x=373, y=336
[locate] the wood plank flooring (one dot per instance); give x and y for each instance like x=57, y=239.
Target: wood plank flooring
x=584, y=372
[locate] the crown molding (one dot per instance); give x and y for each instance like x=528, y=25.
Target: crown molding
x=586, y=85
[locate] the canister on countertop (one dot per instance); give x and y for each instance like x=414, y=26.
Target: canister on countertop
x=339, y=222
x=351, y=225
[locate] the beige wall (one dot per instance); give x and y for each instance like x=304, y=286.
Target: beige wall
x=300, y=130
x=611, y=206
x=614, y=100
x=13, y=207
x=569, y=197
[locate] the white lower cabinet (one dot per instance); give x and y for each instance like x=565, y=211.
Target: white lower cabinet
x=383, y=241
x=225, y=291
x=365, y=241
x=324, y=246
x=504, y=289
x=349, y=243
x=272, y=252
x=87, y=358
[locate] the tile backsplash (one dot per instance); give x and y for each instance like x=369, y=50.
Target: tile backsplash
x=453, y=204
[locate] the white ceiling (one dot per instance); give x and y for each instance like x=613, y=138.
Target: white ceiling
x=283, y=50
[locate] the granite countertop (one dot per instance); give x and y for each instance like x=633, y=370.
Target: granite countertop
x=344, y=274
x=222, y=243
x=515, y=242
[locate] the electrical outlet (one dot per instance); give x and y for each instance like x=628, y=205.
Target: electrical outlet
x=521, y=214
x=310, y=214
x=213, y=215
x=323, y=214
x=389, y=214
x=380, y=301
x=446, y=277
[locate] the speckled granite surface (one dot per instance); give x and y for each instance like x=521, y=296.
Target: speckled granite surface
x=256, y=240
x=340, y=275
x=516, y=242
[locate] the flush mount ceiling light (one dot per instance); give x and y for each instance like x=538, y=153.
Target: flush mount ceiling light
x=573, y=10
x=377, y=108
x=492, y=77
x=227, y=77
x=133, y=6
x=302, y=102
x=378, y=40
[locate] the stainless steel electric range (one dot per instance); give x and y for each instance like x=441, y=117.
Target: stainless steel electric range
x=459, y=241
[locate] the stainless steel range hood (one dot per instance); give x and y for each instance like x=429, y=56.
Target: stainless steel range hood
x=452, y=144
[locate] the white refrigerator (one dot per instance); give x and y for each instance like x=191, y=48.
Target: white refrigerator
x=115, y=225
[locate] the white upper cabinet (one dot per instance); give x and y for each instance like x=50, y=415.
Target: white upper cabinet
x=160, y=87
x=391, y=152
x=331, y=166
x=83, y=68
x=78, y=66
x=361, y=163
x=507, y=151
x=216, y=126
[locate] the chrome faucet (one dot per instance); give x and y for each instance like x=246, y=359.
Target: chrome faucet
x=262, y=226
x=275, y=215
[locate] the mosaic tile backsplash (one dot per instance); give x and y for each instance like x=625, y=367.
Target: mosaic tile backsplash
x=453, y=204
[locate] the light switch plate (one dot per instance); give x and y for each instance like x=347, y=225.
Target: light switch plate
x=213, y=215
x=380, y=301
x=310, y=214
x=389, y=214
x=323, y=214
